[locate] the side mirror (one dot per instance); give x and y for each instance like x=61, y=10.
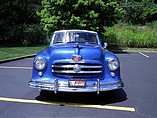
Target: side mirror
x=105, y=45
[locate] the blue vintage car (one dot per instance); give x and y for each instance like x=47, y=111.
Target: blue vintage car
x=75, y=61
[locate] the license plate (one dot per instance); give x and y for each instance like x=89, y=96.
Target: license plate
x=77, y=83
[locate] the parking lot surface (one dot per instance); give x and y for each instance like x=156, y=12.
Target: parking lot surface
x=138, y=99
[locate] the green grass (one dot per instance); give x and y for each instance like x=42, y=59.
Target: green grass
x=13, y=52
x=124, y=35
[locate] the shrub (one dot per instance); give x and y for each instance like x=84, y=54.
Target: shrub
x=34, y=35
x=125, y=35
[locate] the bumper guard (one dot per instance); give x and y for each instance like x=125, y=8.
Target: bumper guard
x=95, y=86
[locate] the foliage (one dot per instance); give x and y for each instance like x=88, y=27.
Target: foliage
x=79, y=14
x=124, y=35
x=17, y=18
x=22, y=21
x=139, y=11
x=33, y=35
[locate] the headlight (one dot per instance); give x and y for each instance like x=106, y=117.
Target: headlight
x=40, y=64
x=113, y=64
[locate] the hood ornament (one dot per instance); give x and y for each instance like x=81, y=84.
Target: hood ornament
x=77, y=46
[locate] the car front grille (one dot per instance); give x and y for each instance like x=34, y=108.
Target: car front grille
x=77, y=69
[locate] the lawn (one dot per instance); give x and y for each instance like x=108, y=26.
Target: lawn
x=13, y=52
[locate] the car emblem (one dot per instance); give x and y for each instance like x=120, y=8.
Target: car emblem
x=76, y=58
x=77, y=68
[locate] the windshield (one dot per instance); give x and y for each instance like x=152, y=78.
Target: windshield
x=75, y=37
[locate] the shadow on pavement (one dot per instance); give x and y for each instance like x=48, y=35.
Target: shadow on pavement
x=120, y=52
x=84, y=98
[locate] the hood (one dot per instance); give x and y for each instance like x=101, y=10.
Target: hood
x=66, y=51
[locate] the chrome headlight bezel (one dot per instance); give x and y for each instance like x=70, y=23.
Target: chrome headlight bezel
x=113, y=64
x=40, y=63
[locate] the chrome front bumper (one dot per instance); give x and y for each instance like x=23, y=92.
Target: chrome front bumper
x=91, y=86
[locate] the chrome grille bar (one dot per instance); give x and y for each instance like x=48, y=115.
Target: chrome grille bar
x=71, y=66
x=71, y=71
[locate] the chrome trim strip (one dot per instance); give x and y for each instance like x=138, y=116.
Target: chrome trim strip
x=71, y=66
x=62, y=66
x=91, y=66
x=72, y=71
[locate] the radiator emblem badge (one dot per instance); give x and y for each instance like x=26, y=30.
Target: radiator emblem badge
x=76, y=58
x=77, y=68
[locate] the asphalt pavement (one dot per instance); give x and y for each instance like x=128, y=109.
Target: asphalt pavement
x=138, y=99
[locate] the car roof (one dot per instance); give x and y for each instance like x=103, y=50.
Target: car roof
x=75, y=30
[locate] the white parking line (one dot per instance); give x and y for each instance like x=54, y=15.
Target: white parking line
x=143, y=54
x=8, y=67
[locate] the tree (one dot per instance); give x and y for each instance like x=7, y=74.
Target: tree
x=79, y=14
x=139, y=11
x=16, y=19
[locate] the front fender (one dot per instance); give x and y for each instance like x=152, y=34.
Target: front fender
x=46, y=56
x=109, y=55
